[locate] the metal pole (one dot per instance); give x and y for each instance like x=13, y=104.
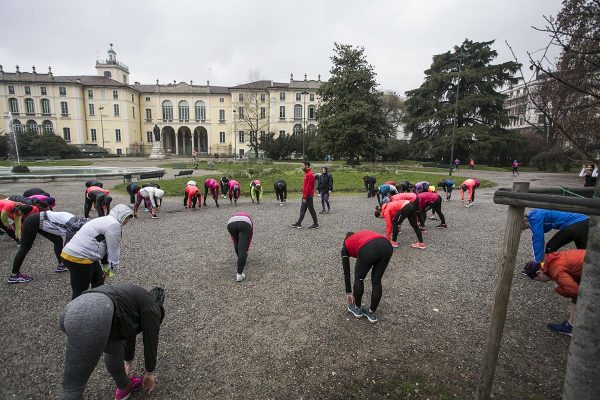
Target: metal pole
x=102, y=126
x=455, y=112
x=14, y=134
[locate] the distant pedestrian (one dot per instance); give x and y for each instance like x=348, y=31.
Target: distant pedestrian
x=280, y=191
x=325, y=187
x=241, y=228
x=515, y=167
x=457, y=164
x=308, y=192
x=471, y=164
x=369, y=182
x=590, y=173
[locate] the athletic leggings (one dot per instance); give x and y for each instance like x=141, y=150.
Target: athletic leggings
x=325, y=200
x=307, y=204
x=448, y=191
x=436, y=208
x=213, y=192
x=281, y=194
x=9, y=232
x=241, y=234
x=374, y=254
x=194, y=200
x=409, y=212
x=31, y=227
x=84, y=275
x=87, y=321
x=577, y=232
x=234, y=195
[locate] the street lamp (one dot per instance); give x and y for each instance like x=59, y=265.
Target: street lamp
x=304, y=124
x=101, y=126
x=234, y=138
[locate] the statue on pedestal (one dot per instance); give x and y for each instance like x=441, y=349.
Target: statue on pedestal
x=157, y=150
x=156, y=133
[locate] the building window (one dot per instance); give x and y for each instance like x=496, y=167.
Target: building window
x=241, y=97
x=167, y=110
x=221, y=137
x=241, y=136
x=298, y=96
x=17, y=127
x=281, y=95
x=27, y=90
x=262, y=97
x=297, y=129
x=91, y=107
x=14, y=105
x=90, y=94
x=62, y=90
x=132, y=97
x=221, y=99
x=119, y=151
x=107, y=74
x=240, y=112
x=149, y=137
x=29, y=108
x=116, y=110
x=281, y=133
x=93, y=135
x=43, y=91
x=47, y=127
x=297, y=111
x=67, y=134
x=221, y=115
x=200, y=110
x=184, y=110
x=117, y=135
x=281, y=112
x=133, y=111
x=263, y=112
x=312, y=97
x=147, y=98
x=115, y=94
x=32, y=126
x=311, y=112
x=252, y=136
x=64, y=108
x=45, y=106
x=148, y=114
x=11, y=89
x=311, y=129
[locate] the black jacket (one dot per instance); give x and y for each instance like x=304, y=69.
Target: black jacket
x=135, y=312
x=325, y=183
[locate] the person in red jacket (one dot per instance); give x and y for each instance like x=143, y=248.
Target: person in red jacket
x=394, y=213
x=564, y=268
x=371, y=250
x=308, y=192
x=469, y=186
x=431, y=201
x=211, y=185
x=191, y=196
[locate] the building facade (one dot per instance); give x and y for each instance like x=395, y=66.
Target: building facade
x=108, y=111
x=524, y=115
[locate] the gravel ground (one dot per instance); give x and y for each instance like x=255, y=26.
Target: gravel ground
x=284, y=332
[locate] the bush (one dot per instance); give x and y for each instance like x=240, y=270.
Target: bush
x=20, y=169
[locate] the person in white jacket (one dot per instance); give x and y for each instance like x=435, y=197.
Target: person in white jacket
x=97, y=241
x=590, y=173
x=152, y=198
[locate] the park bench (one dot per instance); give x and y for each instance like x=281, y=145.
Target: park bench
x=185, y=172
x=149, y=175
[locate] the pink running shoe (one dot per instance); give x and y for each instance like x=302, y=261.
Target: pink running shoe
x=394, y=244
x=19, y=278
x=418, y=245
x=135, y=384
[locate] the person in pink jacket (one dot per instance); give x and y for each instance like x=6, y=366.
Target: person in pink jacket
x=431, y=201
x=468, y=186
x=213, y=186
x=241, y=228
x=51, y=201
x=393, y=214
x=234, y=191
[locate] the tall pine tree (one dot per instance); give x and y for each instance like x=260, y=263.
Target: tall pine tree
x=351, y=119
x=429, y=113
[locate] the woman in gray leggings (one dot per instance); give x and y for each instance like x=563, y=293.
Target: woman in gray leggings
x=106, y=320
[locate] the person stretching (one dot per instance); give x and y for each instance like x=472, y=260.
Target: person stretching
x=241, y=228
x=404, y=187
x=564, y=268
x=93, y=182
x=572, y=227
x=234, y=191
x=515, y=167
x=394, y=214
x=421, y=187
x=384, y=191
x=51, y=225
x=431, y=201
x=410, y=196
x=308, y=192
x=280, y=191
x=97, y=240
x=132, y=189
x=99, y=198
x=447, y=185
x=224, y=186
x=16, y=212
x=370, y=182
x=32, y=201
x=213, y=186
x=32, y=191
x=191, y=196
x=371, y=250
x=256, y=191
x=41, y=199
x=107, y=319
x=325, y=187
x=152, y=198
x=469, y=186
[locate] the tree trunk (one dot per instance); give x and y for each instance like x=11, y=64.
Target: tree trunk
x=582, y=379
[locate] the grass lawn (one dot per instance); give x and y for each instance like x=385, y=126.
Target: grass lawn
x=345, y=179
x=47, y=163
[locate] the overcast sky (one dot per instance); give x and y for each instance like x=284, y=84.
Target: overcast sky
x=183, y=40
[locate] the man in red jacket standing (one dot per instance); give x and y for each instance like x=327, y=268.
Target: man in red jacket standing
x=308, y=192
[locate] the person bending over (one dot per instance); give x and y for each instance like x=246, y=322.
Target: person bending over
x=372, y=252
x=241, y=228
x=234, y=191
x=224, y=182
x=213, y=186
x=93, y=182
x=370, y=182
x=431, y=201
x=384, y=191
x=447, y=185
x=33, y=191
x=421, y=187
x=132, y=189
x=394, y=214
x=10, y=210
x=99, y=198
x=191, y=196
x=280, y=191
x=468, y=186
x=106, y=321
x=152, y=198
x=256, y=191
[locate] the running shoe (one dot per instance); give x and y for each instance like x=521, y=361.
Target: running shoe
x=314, y=226
x=280, y=204
x=394, y=244
x=564, y=328
x=423, y=229
x=442, y=226
x=154, y=217
x=61, y=268
x=19, y=278
x=433, y=217
x=356, y=311
x=240, y=277
x=372, y=317
x=322, y=212
x=296, y=225
x=135, y=384
x=418, y=245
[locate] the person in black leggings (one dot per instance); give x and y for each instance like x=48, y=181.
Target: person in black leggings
x=93, y=182
x=132, y=189
x=34, y=191
x=371, y=250
x=100, y=199
x=369, y=182
x=241, y=229
x=280, y=191
x=224, y=183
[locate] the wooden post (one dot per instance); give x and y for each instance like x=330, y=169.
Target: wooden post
x=512, y=235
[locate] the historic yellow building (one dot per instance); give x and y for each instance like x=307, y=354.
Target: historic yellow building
x=108, y=111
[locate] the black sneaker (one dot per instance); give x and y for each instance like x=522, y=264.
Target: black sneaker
x=296, y=225
x=372, y=317
x=61, y=268
x=314, y=226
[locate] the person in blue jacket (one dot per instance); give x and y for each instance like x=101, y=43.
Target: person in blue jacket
x=384, y=191
x=572, y=227
x=447, y=185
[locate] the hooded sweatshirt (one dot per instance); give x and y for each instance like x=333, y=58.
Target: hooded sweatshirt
x=99, y=237
x=55, y=222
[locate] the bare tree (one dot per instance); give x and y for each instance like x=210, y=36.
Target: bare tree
x=253, y=109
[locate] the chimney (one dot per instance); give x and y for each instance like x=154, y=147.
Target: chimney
x=291, y=77
x=174, y=82
x=78, y=80
x=1, y=70
x=207, y=83
x=33, y=68
x=319, y=77
x=50, y=73
x=18, y=72
x=157, y=81
x=304, y=77
x=191, y=82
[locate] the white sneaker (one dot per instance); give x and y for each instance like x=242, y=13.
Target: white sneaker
x=240, y=277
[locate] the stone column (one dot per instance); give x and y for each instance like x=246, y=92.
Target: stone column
x=177, y=143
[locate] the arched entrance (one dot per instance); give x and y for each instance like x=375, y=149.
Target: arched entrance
x=168, y=139
x=184, y=139
x=201, y=139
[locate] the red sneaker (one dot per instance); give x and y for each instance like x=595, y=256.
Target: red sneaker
x=418, y=245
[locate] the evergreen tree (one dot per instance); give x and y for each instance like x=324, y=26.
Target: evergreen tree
x=429, y=112
x=351, y=118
